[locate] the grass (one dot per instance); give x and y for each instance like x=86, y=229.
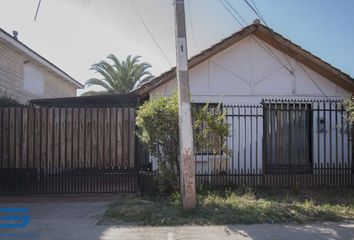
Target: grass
x=241, y=206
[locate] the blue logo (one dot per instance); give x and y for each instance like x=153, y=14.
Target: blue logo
x=14, y=221
x=14, y=218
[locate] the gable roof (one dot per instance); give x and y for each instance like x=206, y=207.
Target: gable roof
x=18, y=46
x=273, y=39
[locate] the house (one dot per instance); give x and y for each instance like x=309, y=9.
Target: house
x=24, y=74
x=282, y=103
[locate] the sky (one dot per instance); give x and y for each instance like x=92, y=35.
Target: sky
x=74, y=34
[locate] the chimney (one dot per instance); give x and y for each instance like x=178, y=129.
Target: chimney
x=15, y=34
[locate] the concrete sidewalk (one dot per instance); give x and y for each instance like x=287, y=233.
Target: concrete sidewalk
x=78, y=220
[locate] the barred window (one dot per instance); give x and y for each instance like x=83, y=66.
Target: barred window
x=209, y=143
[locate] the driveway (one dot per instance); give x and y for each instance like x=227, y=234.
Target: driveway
x=76, y=218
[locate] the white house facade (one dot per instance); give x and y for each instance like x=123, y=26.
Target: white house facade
x=258, y=66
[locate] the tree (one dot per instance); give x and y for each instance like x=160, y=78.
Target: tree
x=157, y=123
x=120, y=76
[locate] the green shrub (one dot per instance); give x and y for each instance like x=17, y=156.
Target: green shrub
x=157, y=122
x=6, y=101
x=349, y=107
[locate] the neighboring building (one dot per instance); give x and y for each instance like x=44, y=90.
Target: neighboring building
x=294, y=124
x=25, y=75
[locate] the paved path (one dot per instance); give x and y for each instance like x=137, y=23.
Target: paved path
x=60, y=220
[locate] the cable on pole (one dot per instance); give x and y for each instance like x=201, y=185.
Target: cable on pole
x=190, y=21
x=38, y=6
x=150, y=33
x=231, y=13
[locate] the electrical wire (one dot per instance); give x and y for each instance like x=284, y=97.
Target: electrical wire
x=190, y=21
x=309, y=76
x=231, y=13
x=265, y=47
x=260, y=16
x=236, y=12
x=254, y=10
x=38, y=6
x=259, y=12
x=274, y=56
x=150, y=33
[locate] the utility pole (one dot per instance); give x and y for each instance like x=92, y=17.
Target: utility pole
x=187, y=174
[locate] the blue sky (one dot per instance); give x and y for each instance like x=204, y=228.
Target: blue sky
x=74, y=34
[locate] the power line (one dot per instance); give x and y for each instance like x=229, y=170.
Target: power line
x=38, y=6
x=309, y=76
x=255, y=11
x=259, y=12
x=231, y=13
x=236, y=12
x=190, y=21
x=275, y=57
x=150, y=33
x=269, y=50
x=265, y=47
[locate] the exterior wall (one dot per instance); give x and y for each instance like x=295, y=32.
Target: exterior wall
x=12, y=66
x=244, y=74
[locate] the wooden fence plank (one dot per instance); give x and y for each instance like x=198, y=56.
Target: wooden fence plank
x=131, y=123
x=119, y=136
x=68, y=140
x=81, y=138
x=5, y=153
x=12, y=137
x=56, y=138
x=62, y=137
x=94, y=138
x=106, y=138
x=50, y=140
x=100, y=119
x=43, y=137
x=88, y=138
x=75, y=145
x=18, y=137
x=113, y=132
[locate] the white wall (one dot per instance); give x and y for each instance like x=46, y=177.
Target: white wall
x=245, y=73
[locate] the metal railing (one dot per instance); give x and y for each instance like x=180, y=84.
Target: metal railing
x=282, y=143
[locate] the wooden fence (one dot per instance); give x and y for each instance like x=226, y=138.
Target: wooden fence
x=58, y=140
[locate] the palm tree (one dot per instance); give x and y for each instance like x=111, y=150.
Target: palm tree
x=119, y=77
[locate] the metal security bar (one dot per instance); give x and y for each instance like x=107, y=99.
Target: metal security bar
x=282, y=143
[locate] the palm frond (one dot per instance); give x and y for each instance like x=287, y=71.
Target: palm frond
x=120, y=76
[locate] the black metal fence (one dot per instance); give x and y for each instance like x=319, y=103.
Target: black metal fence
x=282, y=143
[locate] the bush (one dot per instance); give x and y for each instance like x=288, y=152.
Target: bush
x=6, y=101
x=157, y=122
x=349, y=107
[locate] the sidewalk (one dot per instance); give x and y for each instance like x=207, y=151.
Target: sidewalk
x=78, y=220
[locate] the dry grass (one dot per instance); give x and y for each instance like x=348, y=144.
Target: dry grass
x=240, y=206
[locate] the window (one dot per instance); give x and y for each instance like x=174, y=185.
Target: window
x=210, y=143
x=33, y=80
x=287, y=137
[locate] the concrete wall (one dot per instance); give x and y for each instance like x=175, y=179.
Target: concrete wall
x=14, y=68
